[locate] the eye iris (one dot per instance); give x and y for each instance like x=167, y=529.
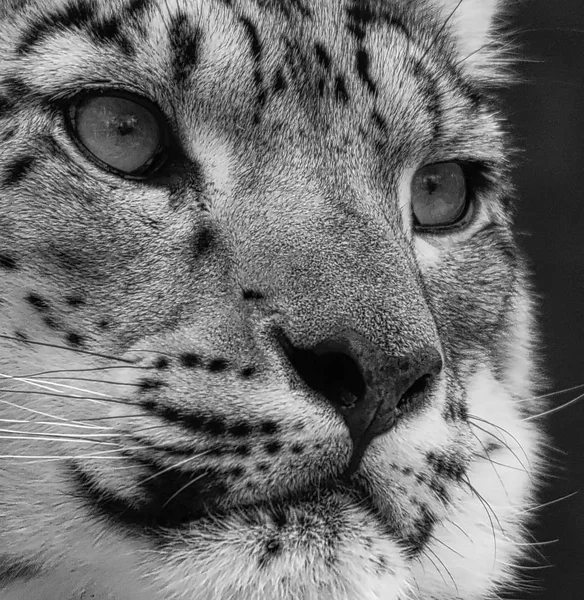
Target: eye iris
x=119, y=132
x=438, y=194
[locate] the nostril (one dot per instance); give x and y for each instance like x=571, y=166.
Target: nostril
x=413, y=398
x=329, y=372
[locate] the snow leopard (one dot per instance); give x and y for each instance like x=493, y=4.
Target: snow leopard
x=266, y=332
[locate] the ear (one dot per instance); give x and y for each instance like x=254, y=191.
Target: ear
x=472, y=24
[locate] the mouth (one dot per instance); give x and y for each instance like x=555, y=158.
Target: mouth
x=173, y=499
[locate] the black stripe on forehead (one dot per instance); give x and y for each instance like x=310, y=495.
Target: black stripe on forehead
x=185, y=40
x=80, y=15
x=287, y=7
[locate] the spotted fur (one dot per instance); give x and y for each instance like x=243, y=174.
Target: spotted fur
x=164, y=433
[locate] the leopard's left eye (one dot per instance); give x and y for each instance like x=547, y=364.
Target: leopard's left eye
x=121, y=132
x=439, y=195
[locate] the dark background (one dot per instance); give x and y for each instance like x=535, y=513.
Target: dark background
x=546, y=113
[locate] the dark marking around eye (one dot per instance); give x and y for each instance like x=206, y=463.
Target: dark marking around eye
x=185, y=40
x=17, y=170
x=240, y=430
x=322, y=56
x=217, y=364
x=74, y=339
x=37, y=301
x=189, y=360
x=341, y=91
x=362, y=63
x=8, y=262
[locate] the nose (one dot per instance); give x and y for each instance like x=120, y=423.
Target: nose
x=369, y=389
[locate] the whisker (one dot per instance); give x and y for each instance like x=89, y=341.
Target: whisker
x=40, y=438
x=556, y=409
x=52, y=423
x=551, y=394
x=61, y=347
x=39, y=412
x=102, y=401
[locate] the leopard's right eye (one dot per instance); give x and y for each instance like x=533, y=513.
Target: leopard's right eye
x=119, y=131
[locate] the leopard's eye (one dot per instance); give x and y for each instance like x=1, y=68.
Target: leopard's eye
x=122, y=132
x=439, y=195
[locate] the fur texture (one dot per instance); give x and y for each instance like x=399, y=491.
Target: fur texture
x=164, y=433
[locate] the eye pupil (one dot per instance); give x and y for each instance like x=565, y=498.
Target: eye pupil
x=438, y=195
x=122, y=132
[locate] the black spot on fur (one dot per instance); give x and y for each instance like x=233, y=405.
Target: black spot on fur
x=446, y=466
x=262, y=467
x=13, y=568
x=21, y=336
x=240, y=429
x=341, y=90
x=242, y=450
x=217, y=365
x=6, y=106
x=75, y=301
x=17, y=170
x=272, y=548
x=185, y=41
x=108, y=31
x=297, y=448
x=8, y=263
x=74, y=339
x=362, y=64
x=252, y=295
x=16, y=89
x=247, y=372
x=322, y=56
x=37, y=301
x=256, y=52
x=205, y=240
x=104, y=324
x=148, y=384
x=359, y=17
x=50, y=322
x=137, y=7
x=76, y=14
x=269, y=427
x=215, y=426
x=273, y=447
x=189, y=360
x=379, y=122
x=161, y=363
x=169, y=414
x=321, y=87
x=423, y=526
x=280, y=84
x=7, y=134
x=236, y=472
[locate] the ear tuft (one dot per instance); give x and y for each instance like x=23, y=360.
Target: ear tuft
x=472, y=23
